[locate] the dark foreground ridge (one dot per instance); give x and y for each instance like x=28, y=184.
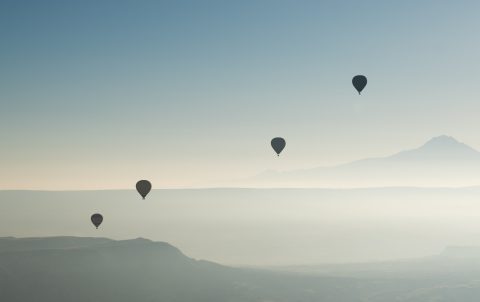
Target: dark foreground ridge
x=98, y=269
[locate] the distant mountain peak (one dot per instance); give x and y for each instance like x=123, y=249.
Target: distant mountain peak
x=443, y=141
x=441, y=147
x=440, y=161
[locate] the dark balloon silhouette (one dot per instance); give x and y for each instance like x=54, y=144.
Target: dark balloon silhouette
x=278, y=144
x=359, y=82
x=97, y=219
x=144, y=187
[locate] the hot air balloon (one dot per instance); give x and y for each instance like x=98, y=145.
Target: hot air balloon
x=278, y=144
x=97, y=219
x=144, y=187
x=359, y=82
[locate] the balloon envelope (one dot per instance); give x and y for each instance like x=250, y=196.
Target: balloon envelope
x=278, y=144
x=144, y=187
x=359, y=82
x=97, y=219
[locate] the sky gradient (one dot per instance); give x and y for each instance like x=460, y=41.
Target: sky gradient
x=99, y=94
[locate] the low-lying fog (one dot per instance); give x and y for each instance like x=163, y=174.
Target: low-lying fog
x=260, y=226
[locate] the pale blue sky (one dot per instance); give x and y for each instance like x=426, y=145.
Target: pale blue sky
x=98, y=94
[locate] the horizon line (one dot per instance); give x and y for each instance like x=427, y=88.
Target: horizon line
x=251, y=188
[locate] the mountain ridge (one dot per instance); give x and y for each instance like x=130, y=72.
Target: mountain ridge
x=433, y=146
x=439, y=162
x=136, y=271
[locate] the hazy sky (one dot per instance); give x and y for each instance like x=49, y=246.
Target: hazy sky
x=98, y=94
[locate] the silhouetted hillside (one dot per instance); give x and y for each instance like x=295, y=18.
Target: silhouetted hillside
x=90, y=269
